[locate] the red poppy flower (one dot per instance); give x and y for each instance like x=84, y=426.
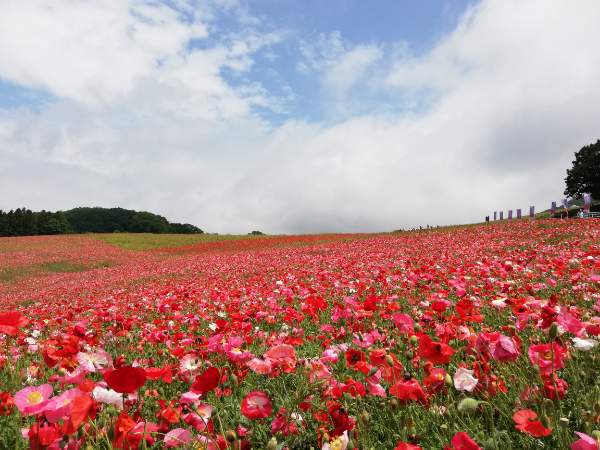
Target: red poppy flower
x=353, y=357
x=81, y=409
x=10, y=322
x=44, y=435
x=407, y=446
x=206, y=382
x=555, y=388
x=125, y=380
x=436, y=380
x=526, y=422
x=256, y=405
x=462, y=441
x=7, y=403
x=408, y=390
x=340, y=419
x=160, y=373
x=436, y=352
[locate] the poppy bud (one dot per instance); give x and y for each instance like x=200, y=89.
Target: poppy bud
x=234, y=379
x=417, y=327
x=548, y=405
x=389, y=360
x=409, y=354
x=448, y=380
x=394, y=403
x=545, y=421
x=372, y=372
x=414, y=340
x=230, y=436
x=350, y=445
x=596, y=435
x=272, y=444
x=467, y=406
x=553, y=332
x=564, y=423
x=364, y=417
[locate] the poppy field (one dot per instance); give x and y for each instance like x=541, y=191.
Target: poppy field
x=462, y=338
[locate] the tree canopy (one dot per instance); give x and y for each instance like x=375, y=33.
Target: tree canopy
x=24, y=222
x=584, y=176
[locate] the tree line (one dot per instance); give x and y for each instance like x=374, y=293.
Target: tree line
x=24, y=222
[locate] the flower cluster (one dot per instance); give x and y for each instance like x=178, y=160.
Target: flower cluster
x=457, y=338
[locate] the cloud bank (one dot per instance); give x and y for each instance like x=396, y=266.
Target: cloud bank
x=145, y=115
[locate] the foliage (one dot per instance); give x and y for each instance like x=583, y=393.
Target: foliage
x=24, y=222
x=584, y=176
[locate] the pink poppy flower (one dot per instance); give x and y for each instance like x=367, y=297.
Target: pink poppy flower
x=404, y=323
x=260, y=366
x=282, y=356
x=200, y=417
x=92, y=361
x=32, y=400
x=177, y=437
x=584, y=442
x=464, y=380
x=541, y=355
x=505, y=349
x=60, y=406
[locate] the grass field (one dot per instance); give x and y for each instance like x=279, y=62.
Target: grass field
x=149, y=241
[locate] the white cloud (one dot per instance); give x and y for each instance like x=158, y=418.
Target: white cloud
x=339, y=64
x=515, y=88
x=350, y=68
x=89, y=51
x=320, y=51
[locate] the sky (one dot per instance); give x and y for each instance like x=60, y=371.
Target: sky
x=296, y=116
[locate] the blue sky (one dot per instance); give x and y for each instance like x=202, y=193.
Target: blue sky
x=296, y=116
x=13, y=95
x=418, y=25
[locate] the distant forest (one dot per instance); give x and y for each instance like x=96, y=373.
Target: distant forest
x=24, y=222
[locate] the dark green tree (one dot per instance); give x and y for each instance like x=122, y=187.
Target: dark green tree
x=145, y=222
x=3, y=223
x=52, y=223
x=24, y=222
x=584, y=176
x=184, y=228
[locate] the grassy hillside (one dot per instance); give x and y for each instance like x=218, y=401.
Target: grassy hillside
x=149, y=241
